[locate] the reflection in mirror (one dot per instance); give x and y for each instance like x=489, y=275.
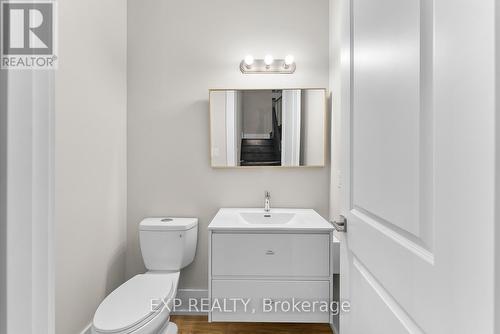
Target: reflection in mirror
x=279, y=127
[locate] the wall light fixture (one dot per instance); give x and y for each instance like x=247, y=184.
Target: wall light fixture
x=269, y=65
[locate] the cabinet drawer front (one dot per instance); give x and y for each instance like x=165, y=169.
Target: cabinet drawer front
x=271, y=301
x=300, y=255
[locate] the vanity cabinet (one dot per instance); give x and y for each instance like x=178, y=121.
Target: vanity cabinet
x=271, y=270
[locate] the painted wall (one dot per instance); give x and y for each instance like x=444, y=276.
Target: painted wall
x=90, y=161
x=177, y=50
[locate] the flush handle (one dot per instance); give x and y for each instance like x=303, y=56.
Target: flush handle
x=340, y=224
x=269, y=252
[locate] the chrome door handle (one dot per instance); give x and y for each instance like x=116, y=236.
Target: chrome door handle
x=269, y=252
x=340, y=225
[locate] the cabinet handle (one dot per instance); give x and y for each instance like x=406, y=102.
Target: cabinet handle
x=269, y=252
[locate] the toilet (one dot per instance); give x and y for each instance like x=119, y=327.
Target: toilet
x=142, y=304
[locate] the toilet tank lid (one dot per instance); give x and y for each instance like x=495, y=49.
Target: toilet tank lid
x=167, y=224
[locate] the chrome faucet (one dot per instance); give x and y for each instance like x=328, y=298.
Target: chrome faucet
x=267, y=201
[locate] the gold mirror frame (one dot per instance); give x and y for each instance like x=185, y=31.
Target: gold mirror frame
x=325, y=128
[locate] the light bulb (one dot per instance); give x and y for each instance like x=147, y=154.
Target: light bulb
x=268, y=60
x=289, y=60
x=248, y=60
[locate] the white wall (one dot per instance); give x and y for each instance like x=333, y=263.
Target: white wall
x=90, y=158
x=178, y=50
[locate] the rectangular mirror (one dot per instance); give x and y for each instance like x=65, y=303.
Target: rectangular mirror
x=278, y=127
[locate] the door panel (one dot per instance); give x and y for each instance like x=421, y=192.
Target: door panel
x=385, y=121
x=381, y=313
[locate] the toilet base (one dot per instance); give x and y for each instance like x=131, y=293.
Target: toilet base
x=170, y=328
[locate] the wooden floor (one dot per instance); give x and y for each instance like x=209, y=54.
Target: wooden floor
x=200, y=325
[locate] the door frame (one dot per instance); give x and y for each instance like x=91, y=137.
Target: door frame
x=291, y=124
x=27, y=291
x=340, y=84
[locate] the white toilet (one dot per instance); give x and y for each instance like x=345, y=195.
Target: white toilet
x=142, y=304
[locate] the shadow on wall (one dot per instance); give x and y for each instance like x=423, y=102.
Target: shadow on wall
x=202, y=106
x=3, y=201
x=116, y=270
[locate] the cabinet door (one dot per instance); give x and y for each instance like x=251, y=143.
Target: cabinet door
x=271, y=301
x=283, y=255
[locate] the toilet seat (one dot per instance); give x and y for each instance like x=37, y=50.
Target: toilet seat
x=136, y=303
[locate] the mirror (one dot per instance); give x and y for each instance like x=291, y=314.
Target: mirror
x=278, y=127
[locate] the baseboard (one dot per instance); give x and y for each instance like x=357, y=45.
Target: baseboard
x=184, y=295
x=87, y=329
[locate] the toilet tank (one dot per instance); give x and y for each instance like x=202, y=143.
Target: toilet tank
x=167, y=243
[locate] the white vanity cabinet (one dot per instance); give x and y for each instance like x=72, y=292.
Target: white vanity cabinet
x=271, y=267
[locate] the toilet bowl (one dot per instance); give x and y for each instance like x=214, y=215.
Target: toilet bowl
x=143, y=304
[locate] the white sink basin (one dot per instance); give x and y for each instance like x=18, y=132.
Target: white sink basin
x=267, y=217
x=278, y=219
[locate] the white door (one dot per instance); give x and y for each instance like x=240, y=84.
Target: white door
x=290, y=140
x=416, y=100
x=232, y=128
